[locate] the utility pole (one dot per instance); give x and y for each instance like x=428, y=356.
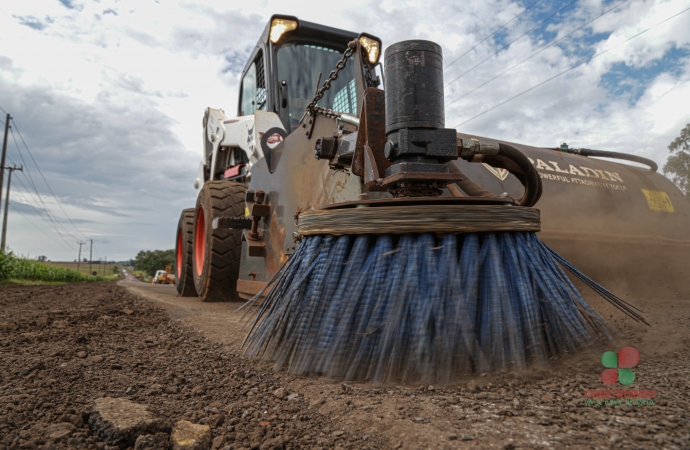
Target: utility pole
x=7, y=204
x=90, y=257
x=4, y=153
x=79, y=258
x=106, y=263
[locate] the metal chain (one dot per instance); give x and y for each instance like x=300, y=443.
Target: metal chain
x=327, y=112
x=311, y=108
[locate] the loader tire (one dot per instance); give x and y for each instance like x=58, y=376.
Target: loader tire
x=216, y=262
x=184, y=246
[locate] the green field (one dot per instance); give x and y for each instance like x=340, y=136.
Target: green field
x=24, y=271
x=102, y=269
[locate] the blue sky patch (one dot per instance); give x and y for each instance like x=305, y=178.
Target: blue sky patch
x=630, y=82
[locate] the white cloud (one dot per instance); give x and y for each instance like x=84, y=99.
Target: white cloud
x=110, y=94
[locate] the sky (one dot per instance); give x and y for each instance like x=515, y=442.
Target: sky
x=109, y=95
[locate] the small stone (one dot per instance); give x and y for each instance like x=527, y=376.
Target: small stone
x=152, y=441
x=218, y=442
x=294, y=396
x=452, y=437
x=30, y=386
x=129, y=312
x=430, y=388
x=81, y=354
x=60, y=432
x=545, y=421
x=472, y=386
x=190, y=436
x=96, y=359
x=509, y=446
x=116, y=366
x=466, y=437
x=199, y=390
x=546, y=398
x=338, y=433
x=318, y=403
x=118, y=421
x=280, y=393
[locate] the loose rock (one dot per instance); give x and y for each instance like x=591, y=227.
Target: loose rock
x=190, y=436
x=118, y=421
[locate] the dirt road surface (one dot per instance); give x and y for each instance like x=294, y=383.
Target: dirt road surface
x=62, y=347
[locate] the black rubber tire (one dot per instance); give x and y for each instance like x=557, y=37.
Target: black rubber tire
x=184, y=280
x=217, y=267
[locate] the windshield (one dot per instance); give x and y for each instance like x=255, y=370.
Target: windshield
x=299, y=66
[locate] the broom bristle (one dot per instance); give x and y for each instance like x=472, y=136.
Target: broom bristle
x=417, y=308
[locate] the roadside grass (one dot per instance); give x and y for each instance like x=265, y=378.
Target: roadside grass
x=34, y=282
x=101, y=268
x=14, y=269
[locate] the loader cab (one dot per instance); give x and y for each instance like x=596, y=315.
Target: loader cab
x=282, y=72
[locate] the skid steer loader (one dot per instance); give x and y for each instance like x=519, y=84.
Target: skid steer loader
x=314, y=130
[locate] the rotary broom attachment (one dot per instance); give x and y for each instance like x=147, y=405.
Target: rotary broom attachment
x=417, y=287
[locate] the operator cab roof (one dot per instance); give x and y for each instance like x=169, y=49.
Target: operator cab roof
x=309, y=31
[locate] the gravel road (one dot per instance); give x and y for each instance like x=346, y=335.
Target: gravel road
x=62, y=347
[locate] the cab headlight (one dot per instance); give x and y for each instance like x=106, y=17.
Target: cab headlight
x=279, y=27
x=372, y=47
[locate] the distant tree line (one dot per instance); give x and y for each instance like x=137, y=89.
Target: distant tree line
x=678, y=164
x=151, y=260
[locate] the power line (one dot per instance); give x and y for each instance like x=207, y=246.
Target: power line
x=511, y=42
x=30, y=179
x=31, y=182
x=571, y=68
x=44, y=179
x=38, y=212
x=39, y=228
x=541, y=49
x=496, y=31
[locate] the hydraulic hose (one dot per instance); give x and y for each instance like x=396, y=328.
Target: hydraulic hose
x=531, y=181
x=615, y=155
x=502, y=156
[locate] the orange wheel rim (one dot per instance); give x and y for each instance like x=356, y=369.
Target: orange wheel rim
x=200, y=241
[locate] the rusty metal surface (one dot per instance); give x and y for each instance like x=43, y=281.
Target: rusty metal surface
x=248, y=288
x=411, y=201
x=372, y=132
x=422, y=176
x=299, y=182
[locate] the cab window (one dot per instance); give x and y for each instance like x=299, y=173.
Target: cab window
x=253, y=88
x=299, y=66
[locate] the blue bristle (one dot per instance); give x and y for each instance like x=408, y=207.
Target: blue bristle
x=417, y=308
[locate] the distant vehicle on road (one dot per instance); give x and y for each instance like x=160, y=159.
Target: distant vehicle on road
x=163, y=276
